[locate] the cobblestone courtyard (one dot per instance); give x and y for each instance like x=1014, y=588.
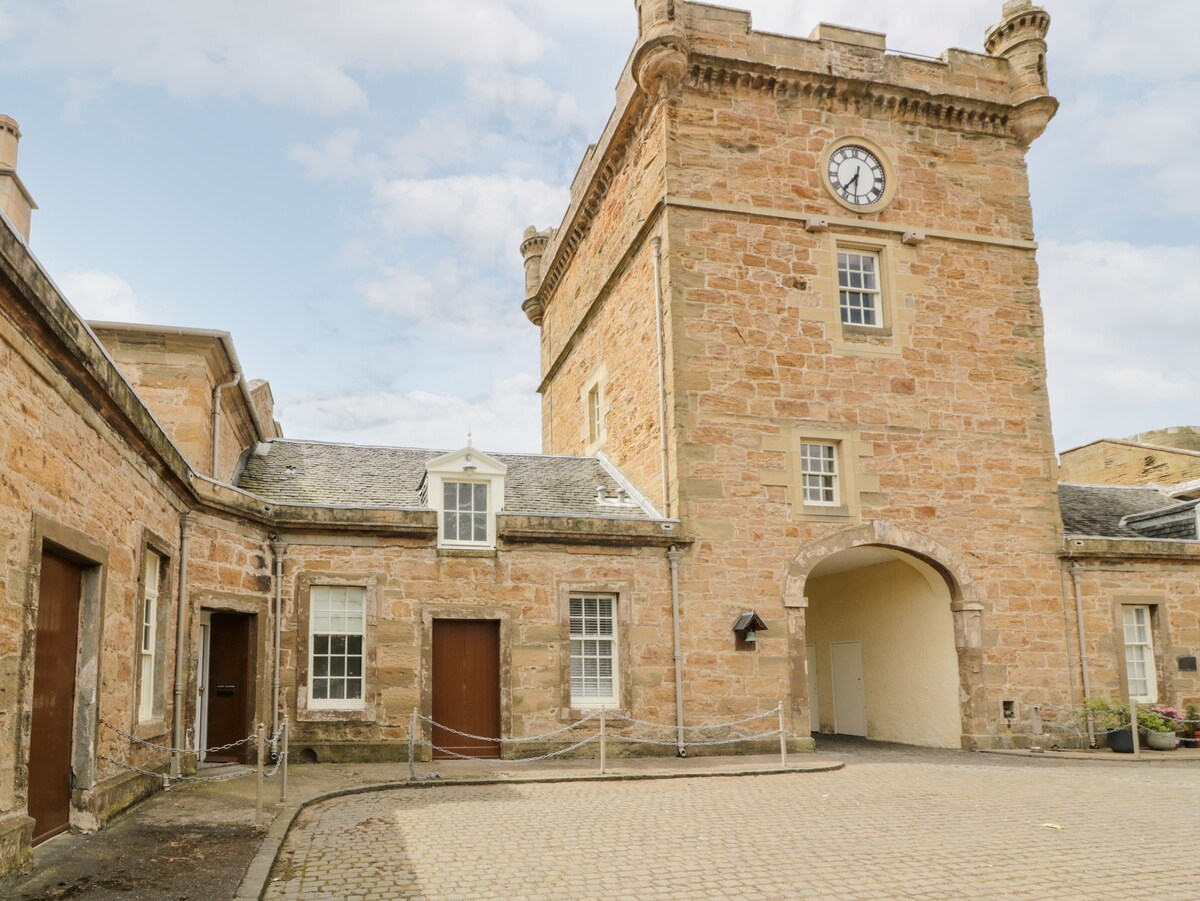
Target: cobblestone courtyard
x=910, y=824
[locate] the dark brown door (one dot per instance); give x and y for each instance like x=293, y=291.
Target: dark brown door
x=51, y=734
x=466, y=687
x=230, y=686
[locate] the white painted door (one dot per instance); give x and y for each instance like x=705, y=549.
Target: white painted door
x=202, y=654
x=849, y=700
x=814, y=717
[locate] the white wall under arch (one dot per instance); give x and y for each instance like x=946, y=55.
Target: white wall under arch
x=900, y=610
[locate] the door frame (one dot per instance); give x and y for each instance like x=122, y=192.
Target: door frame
x=814, y=689
x=203, y=647
x=833, y=686
x=210, y=602
x=477, y=612
x=91, y=556
x=495, y=747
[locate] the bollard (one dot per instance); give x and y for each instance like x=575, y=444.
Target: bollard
x=782, y=739
x=262, y=751
x=601, y=741
x=283, y=765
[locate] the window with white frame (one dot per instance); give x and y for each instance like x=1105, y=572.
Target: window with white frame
x=337, y=632
x=593, y=650
x=465, y=512
x=1139, y=654
x=858, y=288
x=152, y=572
x=818, y=470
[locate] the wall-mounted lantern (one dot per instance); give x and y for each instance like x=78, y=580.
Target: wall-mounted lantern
x=746, y=628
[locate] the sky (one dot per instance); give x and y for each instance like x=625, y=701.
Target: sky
x=343, y=187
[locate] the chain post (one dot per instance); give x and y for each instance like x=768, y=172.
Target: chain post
x=602, y=741
x=1133, y=727
x=412, y=740
x=283, y=763
x=782, y=739
x=260, y=741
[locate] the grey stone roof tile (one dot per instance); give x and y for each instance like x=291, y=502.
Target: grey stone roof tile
x=1097, y=510
x=325, y=474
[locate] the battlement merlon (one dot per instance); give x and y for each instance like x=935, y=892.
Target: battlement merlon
x=698, y=46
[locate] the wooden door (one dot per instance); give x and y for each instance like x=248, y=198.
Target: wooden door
x=230, y=685
x=466, y=687
x=849, y=699
x=51, y=737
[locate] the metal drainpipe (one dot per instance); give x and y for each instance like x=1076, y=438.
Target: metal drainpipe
x=185, y=527
x=278, y=548
x=656, y=245
x=216, y=421
x=1083, y=655
x=673, y=556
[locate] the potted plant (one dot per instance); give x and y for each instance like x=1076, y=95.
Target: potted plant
x=1110, y=721
x=1159, y=723
x=1190, y=734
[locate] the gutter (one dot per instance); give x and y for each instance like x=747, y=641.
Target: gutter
x=1083, y=655
x=673, y=555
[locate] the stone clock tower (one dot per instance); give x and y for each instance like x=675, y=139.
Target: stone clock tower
x=795, y=298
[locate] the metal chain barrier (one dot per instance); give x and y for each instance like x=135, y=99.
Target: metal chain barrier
x=169, y=780
x=170, y=750
x=602, y=736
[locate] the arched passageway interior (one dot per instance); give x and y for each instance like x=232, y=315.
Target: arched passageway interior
x=880, y=646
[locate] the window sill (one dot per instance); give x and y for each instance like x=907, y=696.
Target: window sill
x=866, y=331
x=578, y=714
x=151, y=729
x=813, y=511
x=466, y=552
x=363, y=714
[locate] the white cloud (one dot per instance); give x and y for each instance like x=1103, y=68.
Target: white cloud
x=483, y=215
x=1122, y=328
x=506, y=419
x=105, y=296
x=337, y=157
x=304, y=54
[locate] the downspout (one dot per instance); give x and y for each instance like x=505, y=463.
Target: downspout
x=216, y=420
x=656, y=245
x=185, y=528
x=1083, y=655
x=673, y=556
x=278, y=548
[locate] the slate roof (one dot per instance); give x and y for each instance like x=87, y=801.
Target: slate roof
x=1097, y=510
x=312, y=472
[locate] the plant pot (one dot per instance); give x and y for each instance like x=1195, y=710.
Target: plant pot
x=1160, y=741
x=1121, y=741
x=1187, y=741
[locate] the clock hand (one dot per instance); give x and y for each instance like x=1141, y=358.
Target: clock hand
x=853, y=181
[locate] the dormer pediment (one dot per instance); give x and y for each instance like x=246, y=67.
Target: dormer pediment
x=469, y=461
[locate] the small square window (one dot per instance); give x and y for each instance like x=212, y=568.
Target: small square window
x=819, y=474
x=859, y=295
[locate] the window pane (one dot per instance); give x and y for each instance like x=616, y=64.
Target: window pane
x=337, y=644
x=320, y=666
x=450, y=526
x=354, y=644
x=337, y=666
x=480, y=497
x=354, y=689
x=449, y=495
x=320, y=644
x=480, y=527
x=320, y=689
x=337, y=689
x=354, y=666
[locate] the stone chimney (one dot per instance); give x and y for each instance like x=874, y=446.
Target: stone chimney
x=1020, y=38
x=15, y=200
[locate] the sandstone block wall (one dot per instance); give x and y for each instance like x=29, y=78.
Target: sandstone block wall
x=69, y=476
x=409, y=583
x=1127, y=463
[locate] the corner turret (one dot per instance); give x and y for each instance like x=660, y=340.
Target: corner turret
x=533, y=246
x=661, y=58
x=1020, y=38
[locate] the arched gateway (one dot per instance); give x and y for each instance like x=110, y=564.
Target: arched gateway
x=886, y=637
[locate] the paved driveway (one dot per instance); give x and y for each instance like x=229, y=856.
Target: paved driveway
x=892, y=824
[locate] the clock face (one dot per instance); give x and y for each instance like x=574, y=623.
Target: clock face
x=856, y=175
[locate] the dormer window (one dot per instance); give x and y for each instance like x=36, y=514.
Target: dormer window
x=466, y=487
x=465, y=512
